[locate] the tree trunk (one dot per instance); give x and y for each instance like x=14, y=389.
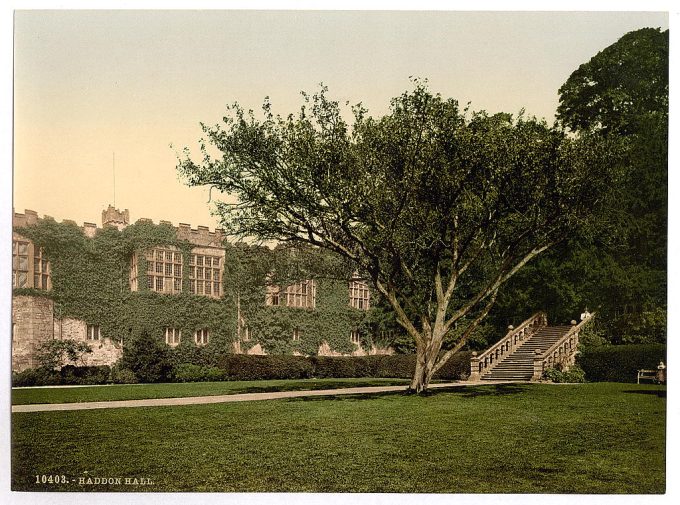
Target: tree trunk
x=424, y=369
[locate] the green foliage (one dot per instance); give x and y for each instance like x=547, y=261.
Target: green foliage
x=643, y=328
x=251, y=268
x=574, y=374
x=68, y=375
x=593, y=334
x=56, y=353
x=120, y=375
x=456, y=368
x=620, y=363
x=39, y=376
x=241, y=367
x=85, y=375
x=619, y=267
x=187, y=372
x=619, y=85
x=147, y=357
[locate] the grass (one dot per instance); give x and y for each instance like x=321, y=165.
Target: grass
x=588, y=438
x=183, y=390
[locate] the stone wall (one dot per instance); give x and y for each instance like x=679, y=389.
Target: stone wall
x=32, y=324
x=104, y=351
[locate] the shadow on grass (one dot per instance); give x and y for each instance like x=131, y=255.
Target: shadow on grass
x=661, y=393
x=318, y=386
x=464, y=391
x=497, y=390
x=352, y=397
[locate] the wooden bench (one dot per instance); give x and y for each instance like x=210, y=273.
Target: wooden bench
x=647, y=375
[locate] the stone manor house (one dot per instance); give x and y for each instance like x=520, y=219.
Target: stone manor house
x=175, y=289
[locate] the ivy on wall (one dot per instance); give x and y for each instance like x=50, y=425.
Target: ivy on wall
x=90, y=281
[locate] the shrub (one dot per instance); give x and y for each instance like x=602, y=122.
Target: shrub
x=187, y=372
x=398, y=366
x=620, y=363
x=575, y=374
x=148, y=358
x=336, y=366
x=83, y=375
x=68, y=375
x=456, y=368
x=244, y=367
x=40, y=376
x=56, y=353
x=120, y=375
x=151, y=366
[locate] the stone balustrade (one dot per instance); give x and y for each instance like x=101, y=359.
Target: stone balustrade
x=562, y=352
x=483, y=363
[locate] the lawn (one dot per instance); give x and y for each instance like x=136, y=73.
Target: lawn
x=528, y=438
x=183, y=390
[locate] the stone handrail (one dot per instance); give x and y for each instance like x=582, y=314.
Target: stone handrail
x=483, y=363
x=561, y=352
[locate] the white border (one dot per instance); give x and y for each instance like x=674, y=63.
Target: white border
x=6, y=62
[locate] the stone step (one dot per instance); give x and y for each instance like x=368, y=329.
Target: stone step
x=524, y=377
x=519, y=365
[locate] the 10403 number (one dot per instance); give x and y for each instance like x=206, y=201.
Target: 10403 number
x=51, y=479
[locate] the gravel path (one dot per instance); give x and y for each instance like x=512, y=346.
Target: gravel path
x=243, y=397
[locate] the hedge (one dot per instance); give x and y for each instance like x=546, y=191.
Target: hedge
x=68, y=375
x=619, y=363
x=243, y=367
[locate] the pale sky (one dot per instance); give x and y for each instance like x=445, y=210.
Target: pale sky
x=91, y=83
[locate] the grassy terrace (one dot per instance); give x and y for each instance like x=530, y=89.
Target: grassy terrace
x=590, y=438
x=183, y=390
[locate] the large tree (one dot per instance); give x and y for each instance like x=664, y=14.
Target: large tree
x=438, y=206
x=620, y=87
x=623, y=91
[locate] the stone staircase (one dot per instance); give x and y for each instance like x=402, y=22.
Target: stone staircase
x=519, y=365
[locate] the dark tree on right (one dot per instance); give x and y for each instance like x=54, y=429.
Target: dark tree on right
x=619, y=268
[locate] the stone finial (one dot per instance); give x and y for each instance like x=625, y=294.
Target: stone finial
x=511, y=327
x=573, y=322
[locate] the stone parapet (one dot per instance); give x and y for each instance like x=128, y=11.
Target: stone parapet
x=199, y=236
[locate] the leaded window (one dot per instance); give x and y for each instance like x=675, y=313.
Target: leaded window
x=301, y=294
x=173, y=336
x=30, y=268
x=205, y=275
x=355, y=337
x=93, y=332
x=202, y=336
x=359, y=294
x=164, y=270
